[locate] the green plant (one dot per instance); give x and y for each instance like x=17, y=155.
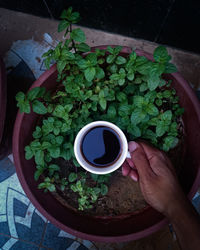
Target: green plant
x=129, y=91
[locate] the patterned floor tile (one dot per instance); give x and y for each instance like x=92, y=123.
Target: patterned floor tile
x=14, y=244
x=7, y=169
x=3, y=240
x=18, y=217
x=31, y=228
x=59, y=240
x=23, y=222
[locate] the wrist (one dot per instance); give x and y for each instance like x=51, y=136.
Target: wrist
x=181, y=208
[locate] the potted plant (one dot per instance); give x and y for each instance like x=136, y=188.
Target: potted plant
x=136, y=91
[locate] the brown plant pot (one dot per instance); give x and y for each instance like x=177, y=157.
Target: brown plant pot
x=2, y=97
x=121, y=228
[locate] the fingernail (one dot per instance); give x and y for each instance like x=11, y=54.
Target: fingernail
x=133, y=177
x=132, y=146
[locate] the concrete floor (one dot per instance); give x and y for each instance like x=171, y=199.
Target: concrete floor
x=15, y=26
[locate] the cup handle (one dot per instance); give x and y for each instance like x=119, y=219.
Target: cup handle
x=128, y=155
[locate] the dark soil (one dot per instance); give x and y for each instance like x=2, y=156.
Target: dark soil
x=124, y=196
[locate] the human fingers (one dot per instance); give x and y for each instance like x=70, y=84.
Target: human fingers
x=140, y=160
x=125, y=169
x=134, y=175
x=130, y=162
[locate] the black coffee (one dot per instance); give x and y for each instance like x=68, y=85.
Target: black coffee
x=101, y=146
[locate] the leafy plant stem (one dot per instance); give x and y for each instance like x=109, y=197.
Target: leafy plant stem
x=73, y=43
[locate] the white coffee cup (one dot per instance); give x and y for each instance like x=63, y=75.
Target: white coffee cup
x=107, y=169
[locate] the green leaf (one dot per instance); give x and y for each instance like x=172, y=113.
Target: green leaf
x=130, y=76
x=37, y=173
x=110, y=59
x=47, y=62
x=100, y=74
x=152, y=110
x=54, y=167
x=63, y=14
x=63, y=25
x=138, y=101
x=153, y=81
x=66, y=55
x=104, y=189
x=96, y=190
x=38, y=107
x=54, y=151
x=69, y=12
x=77, y=35
x=121, y=97
x=170, y=68
x=75, y=17
x=73, y=188
x=144, y=68
x=120, y=60
x=161, y=55
x=39, y=157
x=29, y=153
x=167, y=115
x=37, y=133
x=61, y=65
x=137, y=116
x=83, y=47
x=113, y=68
x=20, y=96
x=24, y=107
x=76, y=163
x=66, y=154
x=35, y=145
x=59, y=139
x=90, y=73
x=79, y=186
x=159, y=102
x=72, y=177
x=101, y=93
x=103, y=103
x=92, y=58
x=124, y=109
x=115, y=77
x=111, y=111
x=161, y=128
x=121, y=82
x=45, y=145
x=143, y=87
x=33, y=93
x=134, y=130
x=110, y=49
x=140, y=60
x=170, y=142
x=51, y=188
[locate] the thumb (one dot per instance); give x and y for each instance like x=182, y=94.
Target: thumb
x=140, y=160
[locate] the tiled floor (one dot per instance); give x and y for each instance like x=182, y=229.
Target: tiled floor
x=21, y=225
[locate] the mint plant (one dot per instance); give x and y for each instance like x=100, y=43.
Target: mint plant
x=127, y=90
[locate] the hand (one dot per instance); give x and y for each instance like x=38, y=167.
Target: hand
x=156, y=175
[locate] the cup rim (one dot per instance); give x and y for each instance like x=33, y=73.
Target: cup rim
x=85, y=164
